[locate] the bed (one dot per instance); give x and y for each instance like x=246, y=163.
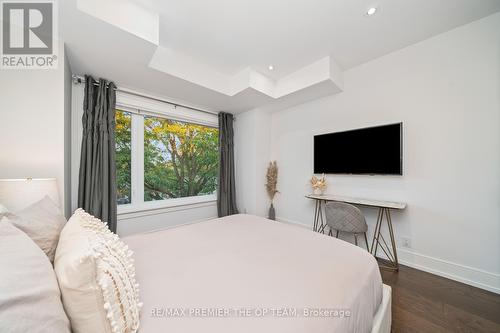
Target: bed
x=248, y=274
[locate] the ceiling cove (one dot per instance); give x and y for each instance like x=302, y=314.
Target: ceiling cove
x=324, y=73
x=216, y=54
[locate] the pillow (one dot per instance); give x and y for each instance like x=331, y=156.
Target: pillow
x=96, y=276
x=42, y=222
x=30, y=300
x=3, y=210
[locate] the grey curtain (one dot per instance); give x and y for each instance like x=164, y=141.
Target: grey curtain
x=97, y=177
x=226, y=193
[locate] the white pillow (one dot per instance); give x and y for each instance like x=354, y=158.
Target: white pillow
x=42, y=222
x=97, y=277
x=30, y=300
x=3, y=209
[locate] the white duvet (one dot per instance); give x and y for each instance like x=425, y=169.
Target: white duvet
x=248, y=274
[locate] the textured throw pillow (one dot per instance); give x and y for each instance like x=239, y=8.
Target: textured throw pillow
x=30, y=300
x=42, y=222
x=96, y=275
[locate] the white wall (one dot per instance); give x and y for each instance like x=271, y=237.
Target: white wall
x=252, y=150
x=32, y=123
x=446, y=91
x=133, y=223
x=67, y=136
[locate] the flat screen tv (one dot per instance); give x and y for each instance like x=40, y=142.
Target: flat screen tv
x=371, y=151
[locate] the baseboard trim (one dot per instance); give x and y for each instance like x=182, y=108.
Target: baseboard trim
x=284, y=220
x=465, y=274
x=469, y=275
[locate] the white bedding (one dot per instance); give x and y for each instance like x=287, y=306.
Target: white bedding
x=223, y=275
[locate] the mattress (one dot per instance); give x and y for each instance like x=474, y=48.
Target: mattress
x=248, y=274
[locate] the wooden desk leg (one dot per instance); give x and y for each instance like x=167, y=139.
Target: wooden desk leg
x=378, y=239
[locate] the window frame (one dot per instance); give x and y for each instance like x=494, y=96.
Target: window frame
x=138, y=107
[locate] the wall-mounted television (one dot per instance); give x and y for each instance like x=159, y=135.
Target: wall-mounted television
x=366, y=151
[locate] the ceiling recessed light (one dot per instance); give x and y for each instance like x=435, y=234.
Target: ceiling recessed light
x=270, y=67
x=371, y=11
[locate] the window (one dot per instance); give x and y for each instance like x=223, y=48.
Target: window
x=180, y=159
x=164, y=160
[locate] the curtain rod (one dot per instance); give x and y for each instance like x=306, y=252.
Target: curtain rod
x=77, y=79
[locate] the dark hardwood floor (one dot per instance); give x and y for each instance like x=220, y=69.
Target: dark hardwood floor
x=423, y=302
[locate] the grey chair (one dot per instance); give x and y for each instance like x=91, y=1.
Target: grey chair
x=343, y=217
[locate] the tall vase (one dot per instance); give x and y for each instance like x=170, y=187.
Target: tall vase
x=272, y=212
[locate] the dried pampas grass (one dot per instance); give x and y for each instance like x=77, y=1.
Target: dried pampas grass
x=272, y=180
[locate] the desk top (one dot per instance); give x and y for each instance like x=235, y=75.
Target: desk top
x=358, y=201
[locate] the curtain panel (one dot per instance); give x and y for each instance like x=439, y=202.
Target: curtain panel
x=97, y=174
x=226, y=192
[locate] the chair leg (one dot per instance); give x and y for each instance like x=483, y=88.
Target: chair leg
x=356, y=239
x=337, y=234
x=366, y=241
x=330, y=233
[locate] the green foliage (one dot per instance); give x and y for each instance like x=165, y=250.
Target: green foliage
x=180, y=159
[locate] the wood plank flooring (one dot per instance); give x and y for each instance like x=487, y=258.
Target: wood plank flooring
x=423, y=302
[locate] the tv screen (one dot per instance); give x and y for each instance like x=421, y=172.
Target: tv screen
x=374, y=150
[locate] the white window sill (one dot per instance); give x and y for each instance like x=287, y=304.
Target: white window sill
x=164, y=206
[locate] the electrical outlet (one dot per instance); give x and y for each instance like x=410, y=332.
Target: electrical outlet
x=406, y=242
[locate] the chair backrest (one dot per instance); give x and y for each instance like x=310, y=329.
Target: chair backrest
x=345, y=217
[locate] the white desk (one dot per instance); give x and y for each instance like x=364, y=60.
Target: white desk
x=384, y=213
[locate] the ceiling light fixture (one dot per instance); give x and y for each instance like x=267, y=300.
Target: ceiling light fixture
x=270, y=67
x=371, y=11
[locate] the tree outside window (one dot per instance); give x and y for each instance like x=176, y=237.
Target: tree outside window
x=180, y=159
